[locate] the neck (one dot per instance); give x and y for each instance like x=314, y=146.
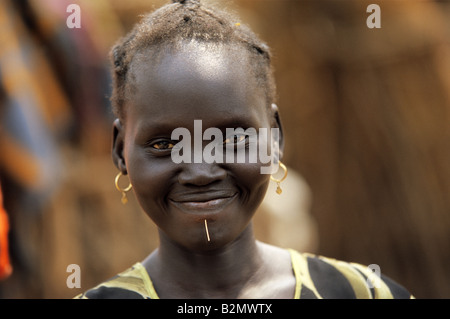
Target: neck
x=221, y=273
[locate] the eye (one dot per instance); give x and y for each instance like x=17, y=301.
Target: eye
x=163, y=145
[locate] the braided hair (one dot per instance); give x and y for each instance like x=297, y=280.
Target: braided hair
x=186, y=20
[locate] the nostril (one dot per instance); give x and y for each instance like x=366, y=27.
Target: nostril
x=201, y=174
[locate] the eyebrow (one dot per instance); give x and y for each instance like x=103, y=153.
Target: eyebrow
x=153, y=128
x=235, y=123
x=164, y=127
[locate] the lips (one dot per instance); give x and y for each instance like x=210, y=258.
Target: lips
x=198, y=202
x=203, y=196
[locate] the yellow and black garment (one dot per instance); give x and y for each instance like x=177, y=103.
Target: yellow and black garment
x=317, y=277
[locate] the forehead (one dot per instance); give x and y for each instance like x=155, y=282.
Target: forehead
x=195, y=79
x=206, y=60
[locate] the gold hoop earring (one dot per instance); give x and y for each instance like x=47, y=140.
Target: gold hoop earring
x=122, y=190
x=278, y=181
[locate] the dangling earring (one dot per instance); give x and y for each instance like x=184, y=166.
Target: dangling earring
x=122, y=190
x=278, y=181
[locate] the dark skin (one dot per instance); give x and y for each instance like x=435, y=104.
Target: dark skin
x=215, y=84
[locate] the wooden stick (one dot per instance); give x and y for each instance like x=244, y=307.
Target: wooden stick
x=207, y=232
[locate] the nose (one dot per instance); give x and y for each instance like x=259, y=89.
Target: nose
x=201, y=174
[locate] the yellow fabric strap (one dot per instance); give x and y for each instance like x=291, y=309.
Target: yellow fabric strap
x=148, y=284
x=382, y=291
x=356, y=280
x=301, y=272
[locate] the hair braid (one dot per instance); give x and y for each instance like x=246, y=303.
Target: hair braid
x=186, y=20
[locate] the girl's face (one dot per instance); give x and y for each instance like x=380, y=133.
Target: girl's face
x=211, y=83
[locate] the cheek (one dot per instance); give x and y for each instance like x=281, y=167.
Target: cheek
x=150, y=179
x=253, y=186
x=253, y=183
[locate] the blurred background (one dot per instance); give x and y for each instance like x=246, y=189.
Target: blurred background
x=366, y=114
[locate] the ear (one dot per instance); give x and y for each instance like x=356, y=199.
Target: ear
x=118, y=145
x=277, y=123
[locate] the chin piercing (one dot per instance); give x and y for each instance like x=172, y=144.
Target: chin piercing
x=207, y=232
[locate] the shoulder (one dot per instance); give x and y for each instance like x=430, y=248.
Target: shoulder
x=132, y=283
x=324, y=277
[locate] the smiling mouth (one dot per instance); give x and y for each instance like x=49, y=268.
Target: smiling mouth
x=203, y=202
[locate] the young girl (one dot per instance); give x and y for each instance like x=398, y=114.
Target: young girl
x=182, y=64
